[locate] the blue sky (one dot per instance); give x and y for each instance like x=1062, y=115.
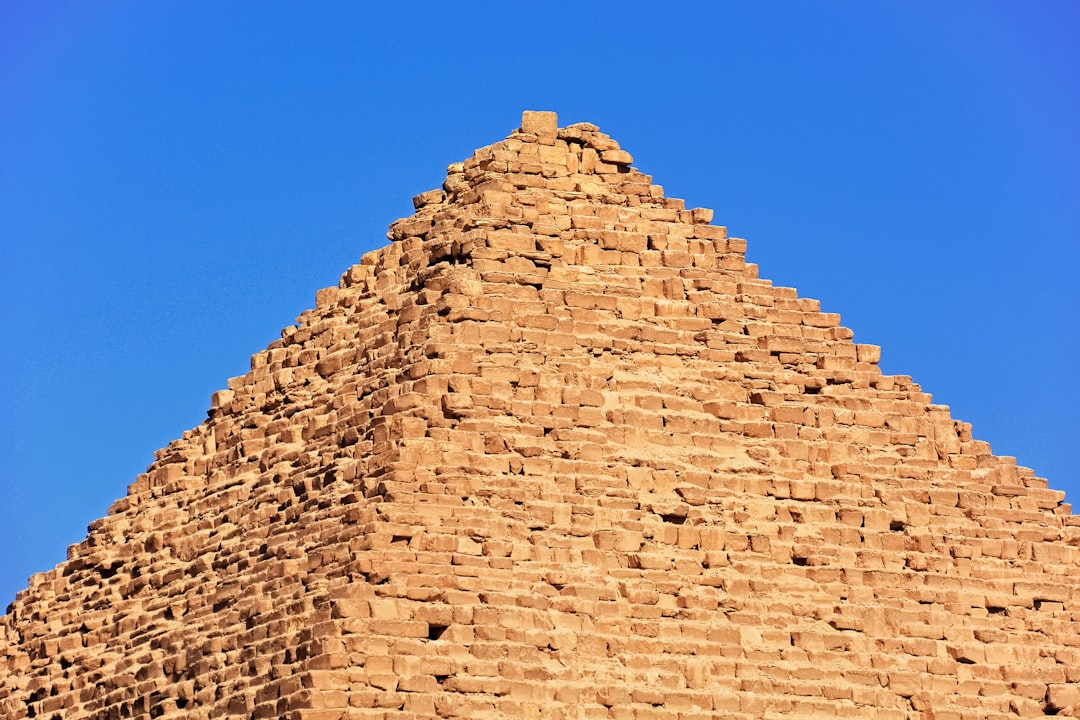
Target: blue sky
x=177, y=179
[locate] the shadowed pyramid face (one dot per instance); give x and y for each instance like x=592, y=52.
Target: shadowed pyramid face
x=557, y=451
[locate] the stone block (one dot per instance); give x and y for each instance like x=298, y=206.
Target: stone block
x=543, y=124
x=616, y=157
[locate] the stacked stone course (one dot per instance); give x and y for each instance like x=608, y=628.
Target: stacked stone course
x=557, y=451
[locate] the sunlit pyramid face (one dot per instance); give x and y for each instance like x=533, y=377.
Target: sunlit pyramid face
x=557, y=451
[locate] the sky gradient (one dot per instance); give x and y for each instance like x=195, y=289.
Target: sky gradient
x=177, y=179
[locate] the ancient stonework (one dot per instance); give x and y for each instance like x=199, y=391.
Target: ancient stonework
x=558, y=452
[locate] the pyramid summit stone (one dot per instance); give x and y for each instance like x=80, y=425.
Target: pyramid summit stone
x=557, y=451
x=543, y=124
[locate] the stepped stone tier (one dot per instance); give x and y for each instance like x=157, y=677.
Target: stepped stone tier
x=558, y=452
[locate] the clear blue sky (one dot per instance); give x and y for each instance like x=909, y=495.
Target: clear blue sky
x=177, y=179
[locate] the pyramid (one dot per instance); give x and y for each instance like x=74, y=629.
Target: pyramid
x=557, y=451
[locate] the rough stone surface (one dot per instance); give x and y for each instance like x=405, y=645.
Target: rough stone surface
x=557, y=451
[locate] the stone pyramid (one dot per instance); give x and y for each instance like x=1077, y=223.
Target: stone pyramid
x=558, y=452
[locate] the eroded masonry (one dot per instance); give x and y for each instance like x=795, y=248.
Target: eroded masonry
x=557, y=452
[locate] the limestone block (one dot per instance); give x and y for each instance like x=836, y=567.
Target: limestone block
x=616, y=157
x=431, y=197
x=1061, y=695
x=869, y=353
x=544, y=124
x=221, y=398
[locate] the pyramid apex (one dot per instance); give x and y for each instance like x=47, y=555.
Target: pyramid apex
x=543, y=123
